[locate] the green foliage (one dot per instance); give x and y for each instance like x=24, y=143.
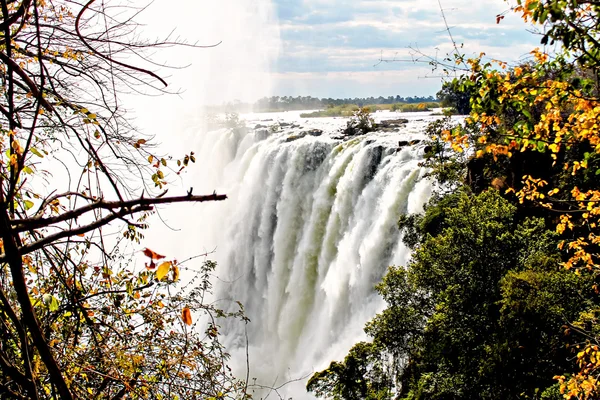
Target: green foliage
x=573, y=24
x=345, y=110
x=363, y=375
x=448, y=167
x=478, y=311
x=420, y=107
x=360, y=123
x=457, y=95
x=486, y=309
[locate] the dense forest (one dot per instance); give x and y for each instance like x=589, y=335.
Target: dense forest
x=500, y=299
x=288, y=103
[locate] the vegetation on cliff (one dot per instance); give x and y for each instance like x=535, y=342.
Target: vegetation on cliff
x=500, y=299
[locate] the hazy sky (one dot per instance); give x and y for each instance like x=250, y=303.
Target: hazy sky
x=330, y=48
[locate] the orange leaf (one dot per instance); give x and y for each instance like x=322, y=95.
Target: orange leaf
x=149, y=253
x=186, y=316
x=175, y=273
x=163, y=270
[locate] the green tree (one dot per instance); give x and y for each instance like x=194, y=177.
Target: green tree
x=548, y=111
x=364, y=374
x=478, y=311
x=456, y=94
x=506, y=314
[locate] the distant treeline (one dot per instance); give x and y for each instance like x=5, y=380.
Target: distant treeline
x=287, y=103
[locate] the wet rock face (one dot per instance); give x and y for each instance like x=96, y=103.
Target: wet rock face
x=290, y=125
x=374, y=161
x=262, y=134
x=312, y=132
x=403, y=143
x=391, y=124
x=291, y=138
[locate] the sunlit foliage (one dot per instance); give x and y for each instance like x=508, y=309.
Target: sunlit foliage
x=512, y=282
x=549, y=106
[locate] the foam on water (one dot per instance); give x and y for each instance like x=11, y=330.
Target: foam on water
x=308, y=231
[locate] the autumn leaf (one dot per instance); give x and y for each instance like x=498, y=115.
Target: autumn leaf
x=186, y=316
x=36, y=152
x=163, y=270
x=149, y=253
x=139, y=143
x=175, y=273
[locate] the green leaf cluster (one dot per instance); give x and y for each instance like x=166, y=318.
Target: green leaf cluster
x=478, y=312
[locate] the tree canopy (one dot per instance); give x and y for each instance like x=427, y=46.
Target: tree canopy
x=500, y=298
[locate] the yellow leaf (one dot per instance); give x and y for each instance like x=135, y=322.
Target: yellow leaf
x=163, y=270
x=28, y=204
x=186, y=316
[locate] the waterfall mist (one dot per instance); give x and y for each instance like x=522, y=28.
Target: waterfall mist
x=310, y=225
x=309, y=229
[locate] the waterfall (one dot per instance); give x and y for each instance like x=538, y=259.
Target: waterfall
x=310, y=224
x=308, y=231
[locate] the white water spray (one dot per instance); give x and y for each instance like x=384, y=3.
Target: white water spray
x=310, y=224
x=309, y=229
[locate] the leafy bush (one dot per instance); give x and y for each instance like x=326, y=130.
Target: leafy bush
x=360, y=123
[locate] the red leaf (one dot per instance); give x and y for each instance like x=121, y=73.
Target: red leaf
x=186, y=316
x=149, y=253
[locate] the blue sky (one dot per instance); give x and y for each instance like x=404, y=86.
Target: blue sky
x=331, y=47
x=326, y=48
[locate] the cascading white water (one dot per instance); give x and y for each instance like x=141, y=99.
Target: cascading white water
x=310, y=224
x=308, y=230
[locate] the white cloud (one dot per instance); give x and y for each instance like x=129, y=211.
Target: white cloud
x=302, y=40
x=348, y=36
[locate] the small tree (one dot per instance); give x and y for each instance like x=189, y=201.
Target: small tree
x=360, y=122
x=456, y=94
x=76, y=320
